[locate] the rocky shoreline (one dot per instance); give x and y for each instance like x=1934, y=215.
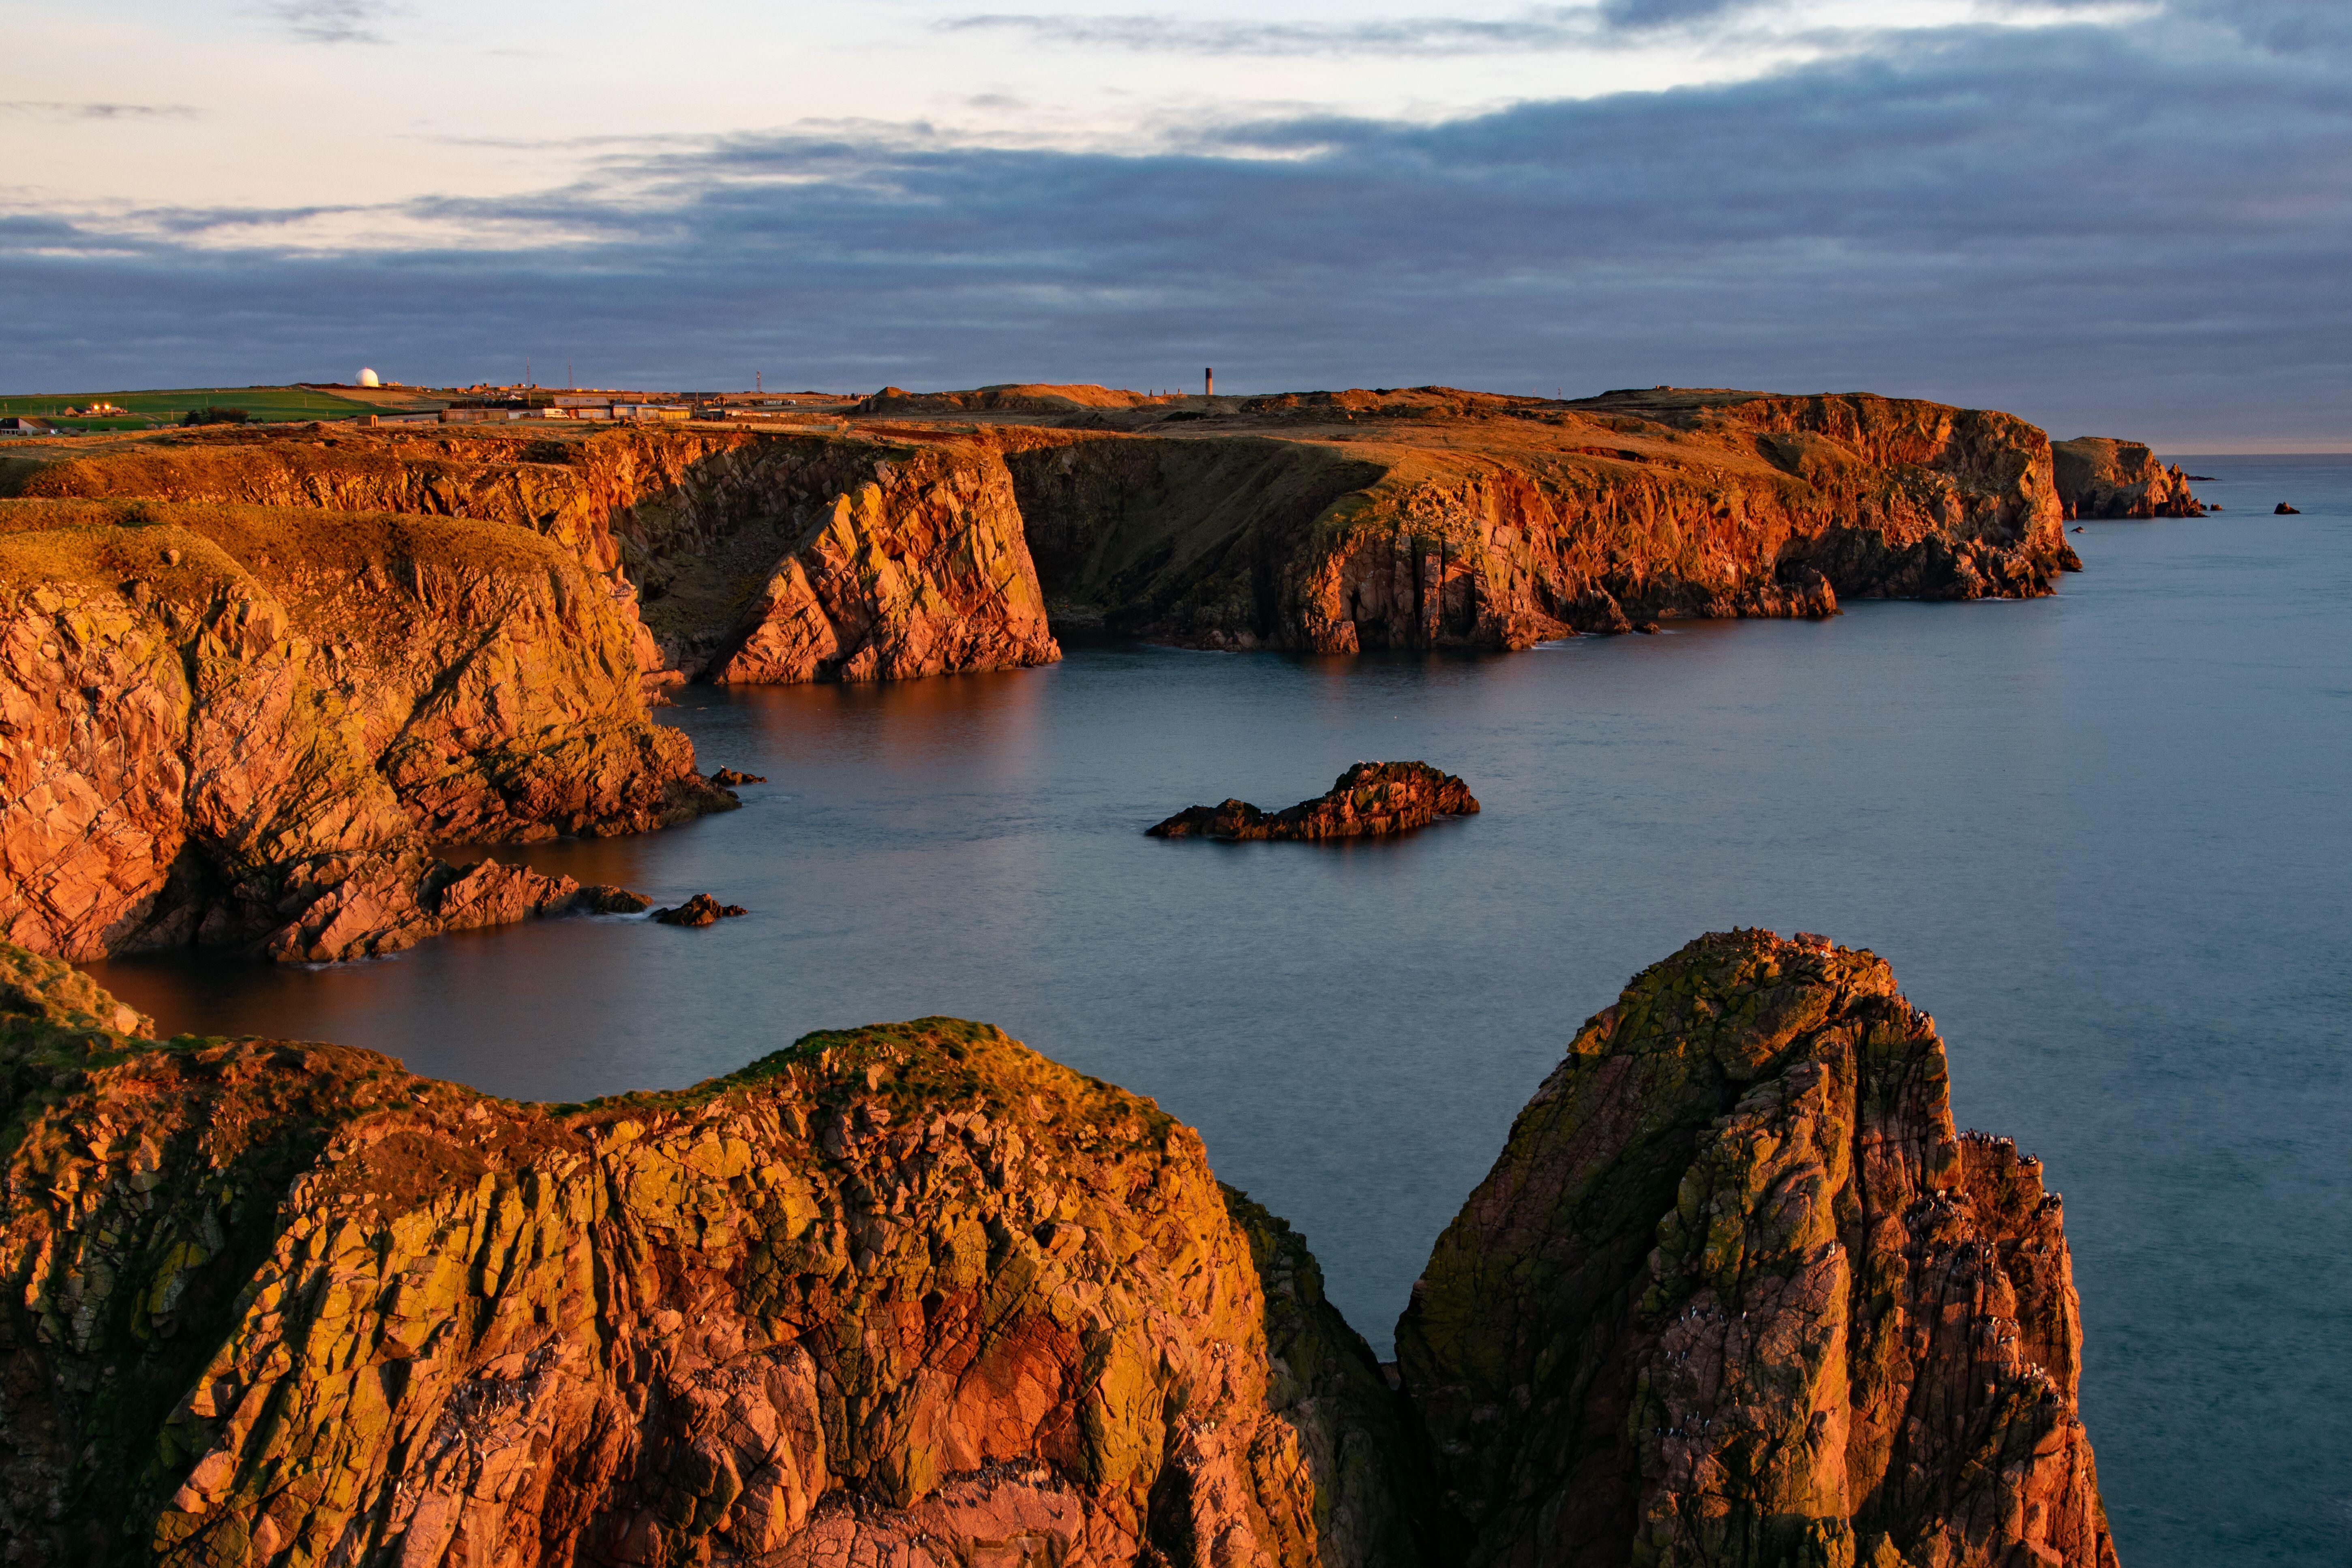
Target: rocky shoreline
x=1736, y=1291
x=249, y=678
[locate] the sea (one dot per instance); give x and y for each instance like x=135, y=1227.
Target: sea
x=2103, y=838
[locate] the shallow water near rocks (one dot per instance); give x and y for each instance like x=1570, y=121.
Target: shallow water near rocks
x=2102, y=838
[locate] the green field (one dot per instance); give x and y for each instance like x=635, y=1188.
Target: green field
x=263, y=405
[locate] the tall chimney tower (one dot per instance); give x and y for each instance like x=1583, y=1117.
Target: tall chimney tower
x=1208, y=382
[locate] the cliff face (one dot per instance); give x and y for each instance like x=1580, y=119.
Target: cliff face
x=929, y=540
x=1735, y=1292
x=907, y=1295
x=894, y=563
x=240, y=727
x=759, y=558
x=2102, y=477
x=1341, y=522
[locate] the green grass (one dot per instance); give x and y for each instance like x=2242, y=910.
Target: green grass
x=263, y=405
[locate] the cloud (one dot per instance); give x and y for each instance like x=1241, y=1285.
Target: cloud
x=1543, y=28
x=1648, y=15
x=333, y=21
x=55, y=111
x=2129, y=230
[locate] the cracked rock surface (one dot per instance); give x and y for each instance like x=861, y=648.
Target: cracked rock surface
x=243, y=727
x=1736, y=1292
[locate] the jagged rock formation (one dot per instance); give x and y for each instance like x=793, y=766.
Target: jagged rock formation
x=701, y=909
x=2100, y=476
x=907, y=1295
x=1736, y=1293
x=1370, y=800
x=241, y=728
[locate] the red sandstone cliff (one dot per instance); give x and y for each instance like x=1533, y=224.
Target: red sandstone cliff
x=2098, y=476
x=241, y=728
x=1737, y=1293
x=929, y=540
x=1340, y=522
x=908, y=1295
x=752, y=557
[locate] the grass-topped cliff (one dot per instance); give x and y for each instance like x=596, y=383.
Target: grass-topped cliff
x=921, y=536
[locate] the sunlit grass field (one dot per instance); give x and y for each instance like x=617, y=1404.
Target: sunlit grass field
x=263, y=405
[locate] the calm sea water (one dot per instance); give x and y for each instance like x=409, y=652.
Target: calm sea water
x=2103, y=838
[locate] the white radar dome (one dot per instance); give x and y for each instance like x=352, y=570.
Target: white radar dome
x=369, y=378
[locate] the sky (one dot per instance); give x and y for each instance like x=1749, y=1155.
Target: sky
x=2117, y=219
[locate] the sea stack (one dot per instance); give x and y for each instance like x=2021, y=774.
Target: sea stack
x=1737, y=1292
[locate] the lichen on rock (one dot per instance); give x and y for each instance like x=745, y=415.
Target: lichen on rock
x=1737, y=1292
x=909, y=1293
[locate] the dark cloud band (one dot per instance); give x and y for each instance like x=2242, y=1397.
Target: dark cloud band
x=2115, y=231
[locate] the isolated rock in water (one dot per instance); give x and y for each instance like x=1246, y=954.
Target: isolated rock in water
x=728, y=778
x=912, y=1295
x=1370, y=800
x=2099, y=477
x=701, y=909
x=1736, y=1292
x=2283, y=509
x=599, y=899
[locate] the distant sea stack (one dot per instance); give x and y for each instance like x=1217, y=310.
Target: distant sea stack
x=1734, y=1293
x=2102, y=477
x=1371, y=800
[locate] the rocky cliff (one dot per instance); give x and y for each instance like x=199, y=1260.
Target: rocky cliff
x=747, y=557
x=1343, y=521
x=908, y=1295
x=929, y=537
x=1734, y=1293
x=241, y=727
x=2098, y=476
x=1737, y=1293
